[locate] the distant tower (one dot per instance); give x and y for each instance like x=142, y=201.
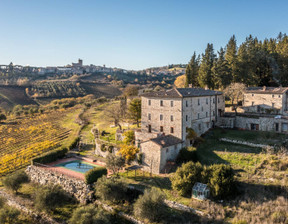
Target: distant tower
x=80, y=62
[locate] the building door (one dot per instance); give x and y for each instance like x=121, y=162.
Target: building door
x=254, y=127
x=276, y=126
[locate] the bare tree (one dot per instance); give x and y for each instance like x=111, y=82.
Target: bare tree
x=114, y=112
x=235, y=91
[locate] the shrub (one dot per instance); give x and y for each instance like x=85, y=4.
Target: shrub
x=9, y=215
x=114, y=163
x=74, y=143
x=51, y=156
x=128, y=152
x=94, y=174
x=103, y=148
x=110, y=148
x=187, y=154
x=185, y=177
x=14, y=181
x=221, y=181
x=111, y=189
x=140, y=158
x=2, y=202
x=90, y=214
x=129, y=137
x=150, y=205
x=47, y=198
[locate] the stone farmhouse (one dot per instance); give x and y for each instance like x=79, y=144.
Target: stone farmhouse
x=166, y=116
x=264, y=108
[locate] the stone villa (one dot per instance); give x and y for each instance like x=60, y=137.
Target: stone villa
x=166, y=115
x=264, y=109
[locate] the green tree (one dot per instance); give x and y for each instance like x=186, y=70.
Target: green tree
x=231, y=58
x=185, y=177
x=129, y=137
x=150, y=205
x=14, y=181
x=192, y=70
x=90, y=214
x=9, y=215
x=114, y=163
x=221, y=181
x=47, y=198
x=111, y=189
x=205, y=77
x=135, y=110
x=221, y=72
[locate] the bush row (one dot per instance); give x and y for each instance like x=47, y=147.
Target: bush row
x=55, y=154
x=94, y=174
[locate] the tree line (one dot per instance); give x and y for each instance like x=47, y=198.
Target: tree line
x=253, y=63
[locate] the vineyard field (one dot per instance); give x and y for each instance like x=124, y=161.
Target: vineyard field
x=23, y=139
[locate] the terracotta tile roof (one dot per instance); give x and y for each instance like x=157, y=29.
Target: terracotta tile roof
x=182, y=92
x=166, y=140
x=267, y=90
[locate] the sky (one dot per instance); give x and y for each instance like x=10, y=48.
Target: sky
x=129, y=34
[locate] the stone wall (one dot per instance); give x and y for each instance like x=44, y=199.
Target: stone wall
x=77, y=188
x=101, y=153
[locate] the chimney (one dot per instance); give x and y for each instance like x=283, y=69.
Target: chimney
x=206, y=87
x=190, y=85
x=264, y=88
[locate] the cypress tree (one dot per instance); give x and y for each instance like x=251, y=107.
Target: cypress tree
x=205, y=77
x=192, y=70
x=231, y=57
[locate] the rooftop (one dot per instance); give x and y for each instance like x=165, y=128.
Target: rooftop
x=166, y=140
x=267, y=90
x=182, y=92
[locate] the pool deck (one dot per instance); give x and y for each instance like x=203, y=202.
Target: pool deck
x=69, y=172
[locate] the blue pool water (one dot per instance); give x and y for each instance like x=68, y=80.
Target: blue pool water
x=77, y=165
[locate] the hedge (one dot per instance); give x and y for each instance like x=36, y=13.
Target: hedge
x=51, y=156
x=92, y=175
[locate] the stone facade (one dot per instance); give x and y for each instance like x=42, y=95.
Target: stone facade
x=155, y=157
x=77, y=188
x=256, y=122
x=171, y=112
x=266, y=100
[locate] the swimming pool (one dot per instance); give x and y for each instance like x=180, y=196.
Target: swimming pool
x=77, y=166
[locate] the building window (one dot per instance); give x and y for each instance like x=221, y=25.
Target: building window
x=161, y=117
x=218, y=100
x=273, y=95
x=206, y=114
x=213, y=100
x=149, y=116
x=252, y=94
x=161, y=128
x=198, y=116
x=172, y=103
x=161, y=103
x=149, y=102
x=149, y=128
x=171, y=130
x=213, y=113
x=186, y=103
x=199, y=127
x=273, y=104
x=171, y=118
x=206, y=100
x=252, y=104
x=202, y=109
x=279, y=96
x=207, y=124
x=198, y=101
x=186, y=117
